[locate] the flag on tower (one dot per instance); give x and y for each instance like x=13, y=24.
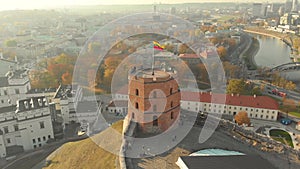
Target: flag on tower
x=158, y=46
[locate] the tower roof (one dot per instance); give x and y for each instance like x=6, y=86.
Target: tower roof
x=147, y=75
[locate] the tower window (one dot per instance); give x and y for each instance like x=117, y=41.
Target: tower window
x=137, y=105
x=132, y=115
x=171, y=104
x=16, y=127
x=137, y=92
x=172, y=115
x=171, y=91
x=155, y=121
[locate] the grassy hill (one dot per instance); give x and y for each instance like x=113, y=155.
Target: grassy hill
x=86, y=154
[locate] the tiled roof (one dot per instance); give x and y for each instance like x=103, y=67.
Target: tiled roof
x=189, y=56
x=264, y=102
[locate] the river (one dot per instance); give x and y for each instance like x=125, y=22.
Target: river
x=272, y=52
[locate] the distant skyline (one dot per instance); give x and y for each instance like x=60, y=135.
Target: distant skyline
x=37, y=4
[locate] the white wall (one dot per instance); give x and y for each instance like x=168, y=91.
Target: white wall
x=257, y=113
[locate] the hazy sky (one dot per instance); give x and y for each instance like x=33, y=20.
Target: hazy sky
x=32, y=4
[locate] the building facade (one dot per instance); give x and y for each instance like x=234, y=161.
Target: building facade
x=26, y=126
x=14, y=86
x=257, y=107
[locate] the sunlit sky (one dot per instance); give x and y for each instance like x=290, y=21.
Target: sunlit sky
x=35, y=4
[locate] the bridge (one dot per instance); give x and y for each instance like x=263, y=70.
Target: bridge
x=294, y=66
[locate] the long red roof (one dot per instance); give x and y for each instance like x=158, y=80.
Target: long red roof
x=263, y=102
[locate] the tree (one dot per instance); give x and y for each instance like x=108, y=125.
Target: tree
x=256, y=91
x=242, y=118
x=183, y=48
x=11, y=43
x=222, y=51
x=236, y=86
x=288, y=105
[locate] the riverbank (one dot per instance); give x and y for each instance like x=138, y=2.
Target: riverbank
x=249, y=55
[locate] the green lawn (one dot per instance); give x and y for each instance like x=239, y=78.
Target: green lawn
x=296, y=114
x=281, y=136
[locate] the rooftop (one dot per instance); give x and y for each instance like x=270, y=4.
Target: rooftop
x=65, y=91
x=148, y=73
x=226, y=162
x=31, y=104
x=264, y=102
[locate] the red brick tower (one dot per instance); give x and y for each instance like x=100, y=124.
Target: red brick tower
x=154, y=100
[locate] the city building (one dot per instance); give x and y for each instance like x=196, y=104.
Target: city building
x=258, y=107
x=25, y=126
x=118, y=107
x=13, y=87
x=257, y=9
x=294, y=6
x=154, y=100
x=66, y=99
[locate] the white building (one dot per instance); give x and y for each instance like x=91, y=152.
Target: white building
x=25, y=127
x=71, y=108
x=118, y=107
x=259, y=107
x=66, y=99
x=13, y=87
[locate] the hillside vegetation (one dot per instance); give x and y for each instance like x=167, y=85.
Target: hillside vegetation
x=86, y=154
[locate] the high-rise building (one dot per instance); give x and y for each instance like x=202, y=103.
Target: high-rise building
x=257, y=9
x=288, y=6
x=295, y=6
x=154, y=100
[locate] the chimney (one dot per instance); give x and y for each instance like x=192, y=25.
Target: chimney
x=232, y=94
x=254, y=96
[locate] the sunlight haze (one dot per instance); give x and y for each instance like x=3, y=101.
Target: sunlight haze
x=35, y=4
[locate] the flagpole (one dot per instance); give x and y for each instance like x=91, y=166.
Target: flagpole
x=153, y=60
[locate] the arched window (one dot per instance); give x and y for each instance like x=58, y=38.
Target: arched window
x=172, y=115
x=155, y=121
x=132, y=116
x=171, y=104
x=136, y=92
x=171, y=91
x=137, y=105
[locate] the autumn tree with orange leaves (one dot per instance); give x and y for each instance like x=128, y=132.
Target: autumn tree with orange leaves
x=242, y=118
